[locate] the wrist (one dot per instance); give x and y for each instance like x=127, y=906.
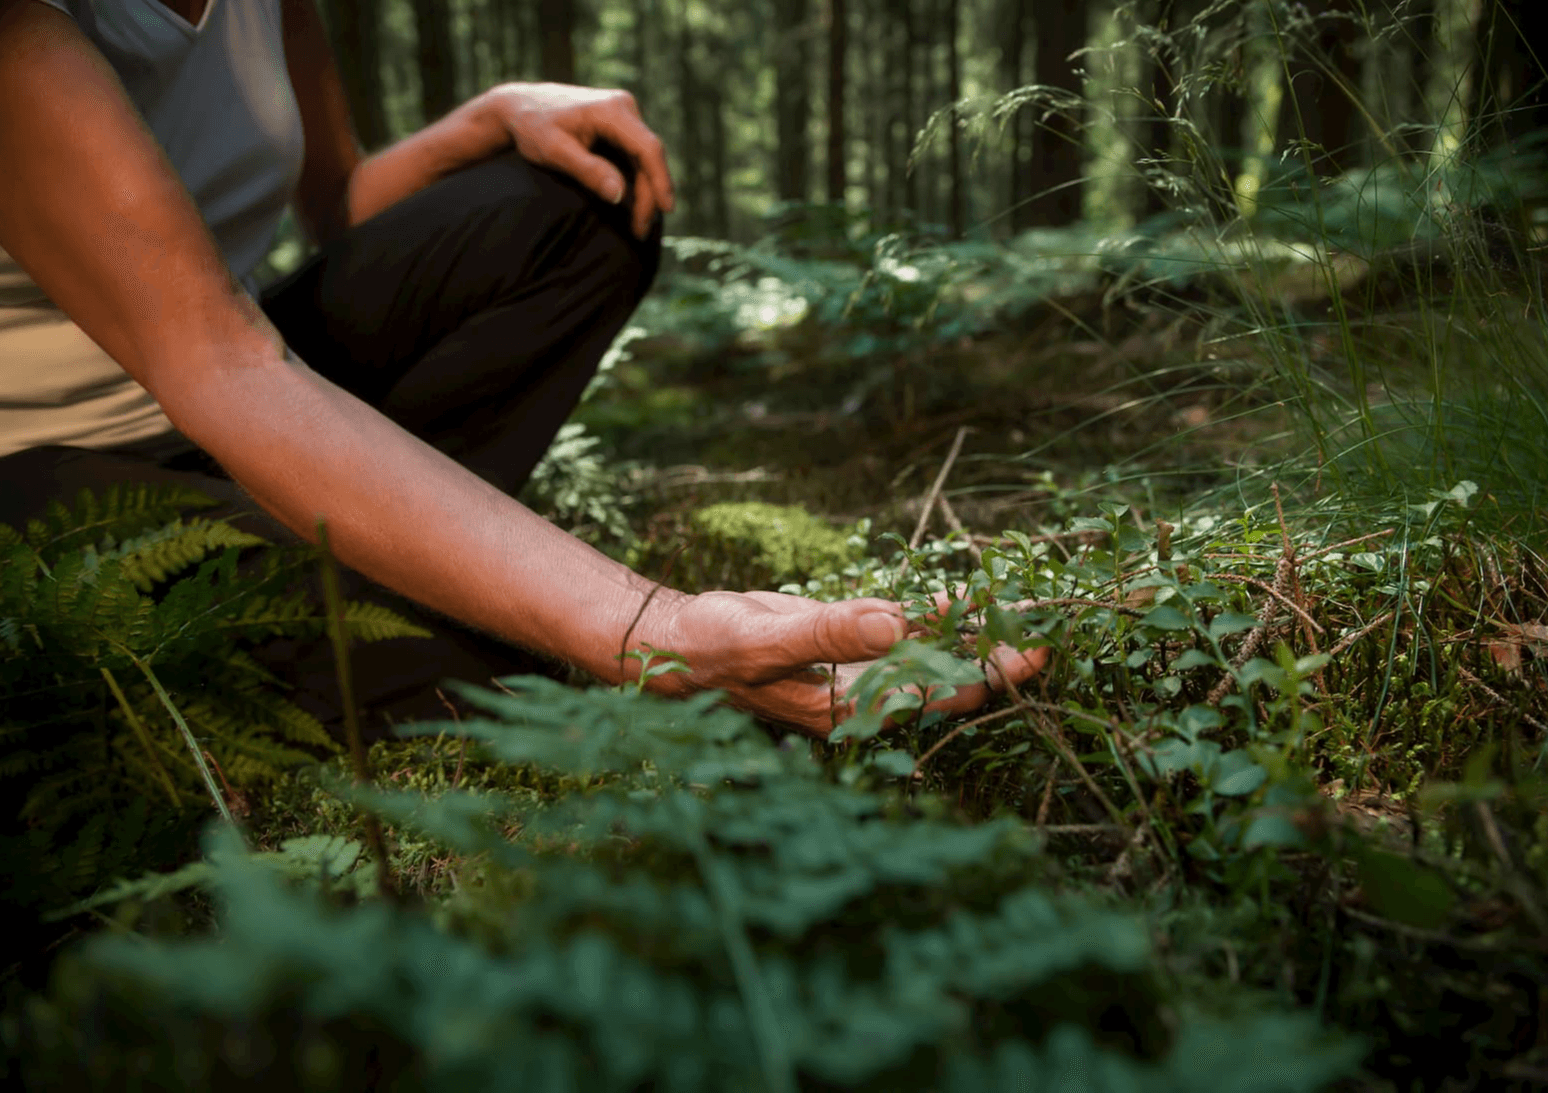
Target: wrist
x=653, y=622
x=470, y=133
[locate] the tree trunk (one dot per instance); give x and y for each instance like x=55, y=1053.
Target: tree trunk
x=792, y=100
x=1013, y=23
x=556, y=28
x=641, y=10
x=712, y=103
x=1324, y=83
x=1060, y=27
x=838, y=44
x=1512, y=100
x=357, y=44
x=910, y=178
x=957, y=199
x=874, y=72
x=437, y=58
x=1162, y=68
x=1452, y=75
x=692, y=146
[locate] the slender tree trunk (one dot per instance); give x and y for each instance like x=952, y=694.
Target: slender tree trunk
x=506, y=38
x=875, y=75
x=1161, y=69
x=1512, y=99
x=712, y=100
x=1324, y=83
x=692, y=146
x=556, y=28
x=1060, y=27
x=792, y=99
x=437, y=58
x=958, y=197
x=1013, y=22
x=1452, y=72
x=479, y=71
x=838, y=45
x=910, y=179
x=641, y=11
x=357, y=44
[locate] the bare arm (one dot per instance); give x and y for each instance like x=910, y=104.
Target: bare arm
x=124, y=252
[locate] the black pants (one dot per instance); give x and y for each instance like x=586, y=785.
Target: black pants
x=473, y=314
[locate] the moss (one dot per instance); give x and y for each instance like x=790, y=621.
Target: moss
x=750, y=544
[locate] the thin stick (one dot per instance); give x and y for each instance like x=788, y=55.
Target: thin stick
x=334, y=603
x=1345, y=643
x=1498, y=698
x=1264, y=586
x=1052, y=736
x=935, y=489
x=998, y=715
x=1081, y=829
x=956, y=525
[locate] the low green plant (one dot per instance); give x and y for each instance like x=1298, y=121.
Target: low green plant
x=129, y=695
x=718, y=913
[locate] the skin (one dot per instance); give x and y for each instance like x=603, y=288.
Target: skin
x=123, y=251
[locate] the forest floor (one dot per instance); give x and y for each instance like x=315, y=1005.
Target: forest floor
x=1425, y=632
x=1294, y=727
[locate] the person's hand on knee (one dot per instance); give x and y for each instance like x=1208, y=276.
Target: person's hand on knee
x=557, y=126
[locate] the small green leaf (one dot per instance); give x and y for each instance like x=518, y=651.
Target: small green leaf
x=1193, y=658
x=898, y=764
x=1399, y=889
x=1230, y=622
x=1166, y=617
x=1272, y=828
x=1236, y=774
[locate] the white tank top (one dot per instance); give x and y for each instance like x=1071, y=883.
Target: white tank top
x=218, y=99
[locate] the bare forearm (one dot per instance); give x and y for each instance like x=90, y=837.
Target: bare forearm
x=466, y=135
x=410, y=518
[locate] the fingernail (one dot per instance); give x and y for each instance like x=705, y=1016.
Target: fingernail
x=613, y=192
x=880, y=630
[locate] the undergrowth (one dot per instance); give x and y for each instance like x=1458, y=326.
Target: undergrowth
x=108, y=609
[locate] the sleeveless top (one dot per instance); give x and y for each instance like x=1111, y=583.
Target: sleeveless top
x=218, y=99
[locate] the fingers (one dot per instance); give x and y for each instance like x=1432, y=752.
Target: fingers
x=1006, y=666
x=842, y=633
x=653, y=190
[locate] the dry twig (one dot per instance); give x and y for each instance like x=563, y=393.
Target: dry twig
x=935, y=489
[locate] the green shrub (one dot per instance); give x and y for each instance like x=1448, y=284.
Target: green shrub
x=125, y=664
x=720, y=914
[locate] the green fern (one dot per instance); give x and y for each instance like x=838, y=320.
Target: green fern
x=150, y=558
x=754, y=924
x=92, y=600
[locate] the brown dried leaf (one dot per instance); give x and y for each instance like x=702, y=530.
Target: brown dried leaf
x=1516, y=637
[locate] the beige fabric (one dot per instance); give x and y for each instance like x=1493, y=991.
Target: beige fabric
x=57, y=386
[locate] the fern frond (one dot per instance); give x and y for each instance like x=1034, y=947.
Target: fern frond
x=289, y=615
x=152, y=557
x=124, y=510
x=373, y=622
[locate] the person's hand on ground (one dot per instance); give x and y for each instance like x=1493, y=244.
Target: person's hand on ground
x=556, y=125
x=771, y=653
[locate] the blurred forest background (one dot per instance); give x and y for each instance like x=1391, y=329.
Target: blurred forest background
x=825, y=100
